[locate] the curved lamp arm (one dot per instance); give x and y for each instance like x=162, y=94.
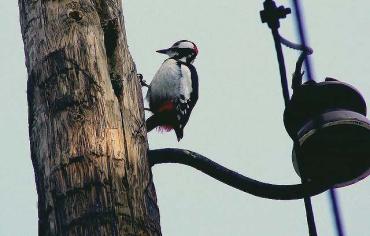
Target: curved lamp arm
x=234, y=179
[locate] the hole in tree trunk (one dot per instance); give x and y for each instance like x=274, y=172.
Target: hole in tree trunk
x=110, y=42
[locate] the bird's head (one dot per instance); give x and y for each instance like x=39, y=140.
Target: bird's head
x=182, y=50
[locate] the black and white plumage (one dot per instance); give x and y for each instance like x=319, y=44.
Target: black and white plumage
x=173, y=91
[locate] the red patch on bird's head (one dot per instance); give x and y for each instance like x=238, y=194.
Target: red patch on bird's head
x=196, y=49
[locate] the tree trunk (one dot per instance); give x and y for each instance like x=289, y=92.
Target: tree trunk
x=86, y=121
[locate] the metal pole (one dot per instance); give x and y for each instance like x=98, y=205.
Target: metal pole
x=271, y=15
x=280, y=57
x=310, y=216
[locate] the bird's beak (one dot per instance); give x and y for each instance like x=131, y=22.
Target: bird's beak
x=164, y=51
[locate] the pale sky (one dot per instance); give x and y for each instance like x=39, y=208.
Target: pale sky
x=237, y=121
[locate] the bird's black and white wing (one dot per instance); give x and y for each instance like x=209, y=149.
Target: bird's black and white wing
x=188, y=94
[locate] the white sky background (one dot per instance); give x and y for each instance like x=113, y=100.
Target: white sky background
x=237, y=121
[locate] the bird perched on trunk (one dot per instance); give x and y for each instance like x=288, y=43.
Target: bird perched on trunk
x=173, y=92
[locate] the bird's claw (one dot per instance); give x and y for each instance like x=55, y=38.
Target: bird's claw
x=142, y=81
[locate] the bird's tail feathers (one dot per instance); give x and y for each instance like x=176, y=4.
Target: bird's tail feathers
x=152, y=122
x=179, y=134
x=155, y=122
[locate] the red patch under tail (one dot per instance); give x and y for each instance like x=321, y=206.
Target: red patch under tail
x=165, y=107
x=164, y=128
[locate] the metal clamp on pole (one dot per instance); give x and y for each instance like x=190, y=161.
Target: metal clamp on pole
x=272, y=15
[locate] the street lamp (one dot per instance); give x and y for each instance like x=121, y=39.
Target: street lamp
x=326, y=121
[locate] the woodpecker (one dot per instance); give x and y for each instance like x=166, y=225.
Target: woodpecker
x=173, y=92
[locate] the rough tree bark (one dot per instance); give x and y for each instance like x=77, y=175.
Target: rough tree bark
x=86, y=121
